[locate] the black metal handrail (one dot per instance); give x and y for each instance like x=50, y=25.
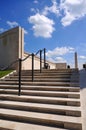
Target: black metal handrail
x=44, y=57
x=8, y=66
x=20, y=66
x=33, y=55
x=37, y=52
x=26, y=57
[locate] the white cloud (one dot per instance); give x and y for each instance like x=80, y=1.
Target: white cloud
x=36, y=1
x=12, y=24
x=51, y=59
x=73, y=10
x=2, y=30
x=25, y=31
x=58, y=51
x=60, y=60
x=57, y=55
x=69, y=10
x=56, y=59
x=42, y=25
x=33, y=10
x=52, y=9
x=82, y=57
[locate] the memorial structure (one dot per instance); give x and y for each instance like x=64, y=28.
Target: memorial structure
x=12, y=48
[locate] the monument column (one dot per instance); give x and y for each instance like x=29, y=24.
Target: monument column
x=76, y=61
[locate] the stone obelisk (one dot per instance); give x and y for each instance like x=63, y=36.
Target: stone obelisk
x=76, y=61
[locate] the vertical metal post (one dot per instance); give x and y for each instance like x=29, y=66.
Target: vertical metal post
x=40, y=61
x=44, y=57
x=32, y=67
x=19, y=93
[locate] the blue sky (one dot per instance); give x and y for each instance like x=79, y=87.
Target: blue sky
x=57, y=25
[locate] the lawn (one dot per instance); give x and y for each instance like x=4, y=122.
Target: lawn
x=5, y=72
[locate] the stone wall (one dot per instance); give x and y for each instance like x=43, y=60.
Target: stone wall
x=11, y=46
x=27, y=64
x=61, y=65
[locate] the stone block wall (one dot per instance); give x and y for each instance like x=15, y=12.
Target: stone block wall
x=27, y=64
x=61, y=65
x=11, y=47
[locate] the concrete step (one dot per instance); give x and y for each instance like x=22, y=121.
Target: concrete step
x=42, y=88
x=41, y=100
x=51, y=70
x=54, y=79
x=42, y=108
x=42, y=93
x=41, y=118
x=12, y=125
x=38, y=77
x=45, y=72
x=40, y=80
x=68, y=77
x=72, y=84
x=42, y=76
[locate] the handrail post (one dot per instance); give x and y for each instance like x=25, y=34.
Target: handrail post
x=44, y=57
x=32, y=67
x=19, y=93
x=40, y=61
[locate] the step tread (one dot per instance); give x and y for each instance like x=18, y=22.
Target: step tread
x=36, y=76
x=35, y=91
x=52, y=83
x=71, y=108
x=39, y=97
x=42, y=88
x=45, y=78
x=42, y=116
x=12, y=125
x=68, y=87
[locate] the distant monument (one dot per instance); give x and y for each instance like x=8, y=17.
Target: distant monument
x=76, y=61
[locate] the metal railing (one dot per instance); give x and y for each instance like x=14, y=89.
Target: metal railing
x=20, y=66
x=40, y=54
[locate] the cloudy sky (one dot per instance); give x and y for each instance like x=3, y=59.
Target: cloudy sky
x=57, y=25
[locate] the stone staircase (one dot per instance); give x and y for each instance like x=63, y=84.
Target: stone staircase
x=51, y=102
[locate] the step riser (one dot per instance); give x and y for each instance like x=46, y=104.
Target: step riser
x=46, y=74
x=64, y=89
x=41, y=84
x=51, y=70
x=40, y=76
x=42, y=94
x=67, y=72
x=42, y=110
x=45, y=101
x=35, y=80
x=40, y=121
x=42, y=73
x=42, y=80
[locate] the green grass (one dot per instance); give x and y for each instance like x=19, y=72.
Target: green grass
x=5, y=72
